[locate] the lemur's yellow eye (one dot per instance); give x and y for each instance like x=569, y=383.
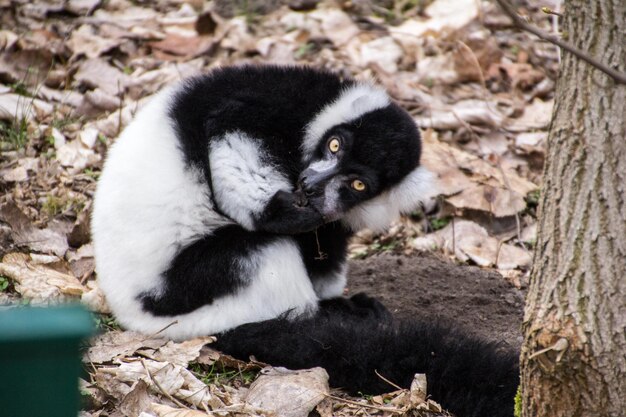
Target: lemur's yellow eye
x=358, y=185
x=334, y=144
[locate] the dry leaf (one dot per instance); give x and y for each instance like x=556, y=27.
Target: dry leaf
x=24, y=233
x=137, y=400
x=118, y=344
x=531, y=142
x=97, y=73
x=96, y=102
x=165, y=377
x=468, y=240
x=75, y=156
x=336, y=25
x=468, y=179
x=444, y=16
x=418, y=391
x=166, y=411
x=384, y=52
x=289, y=393
x=85, y=41
x=183, y=46
x=14, y=107
x=69, y=97
x=499, y=201
x=537, y=116
x=39, y=282
x=182, y=353
x=127, y=17
x=462, y=113
x=94, y=298
x=439, y=69
x=17, y=174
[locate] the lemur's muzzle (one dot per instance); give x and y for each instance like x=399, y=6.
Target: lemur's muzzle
x=315, y=176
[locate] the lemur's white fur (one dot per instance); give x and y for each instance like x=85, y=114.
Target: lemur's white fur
x=351, y=104
x=149, y=204
x=243, y=179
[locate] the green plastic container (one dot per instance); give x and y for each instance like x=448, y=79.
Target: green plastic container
x=40, y=360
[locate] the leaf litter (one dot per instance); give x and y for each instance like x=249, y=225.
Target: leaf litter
x=73, y=74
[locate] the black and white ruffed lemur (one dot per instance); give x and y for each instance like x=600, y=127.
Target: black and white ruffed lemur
x=216, y=202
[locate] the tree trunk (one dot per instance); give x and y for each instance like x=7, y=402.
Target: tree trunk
x=574, y=355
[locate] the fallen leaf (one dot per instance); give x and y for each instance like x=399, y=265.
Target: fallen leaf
x=86, y=41
x=183, y=352
x=537, y=116
x=97, y=102
x=25, y=233
x=439, y=69
x=336, y=25
x=468, y=240
x=94, y=298
x=128, y=17
x=82, y=7
x=462, y=113
x=166, y=411
x=137, y=400
x=97, y=73
x=418, y=391
x=14, y=107
x=383, y=51
x=75, y=156
x=522, y=75
x=17, y=174
x=168, y=378
x=497, y=200
x=530, y=142
x=465, y=177
x=289, y=393
x=184, y=46
x=118, y=344
x=81, y=231
x=444, y=16
x=39, y=282
x=69, y=97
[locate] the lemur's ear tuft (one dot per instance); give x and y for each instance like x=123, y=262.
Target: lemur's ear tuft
x=415, y=189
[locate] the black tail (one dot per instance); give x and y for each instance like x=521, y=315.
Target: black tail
x=466, y=375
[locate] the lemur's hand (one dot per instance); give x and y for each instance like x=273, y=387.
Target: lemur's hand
x=289, y=213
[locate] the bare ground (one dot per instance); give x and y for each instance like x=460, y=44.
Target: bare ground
x=428, y=286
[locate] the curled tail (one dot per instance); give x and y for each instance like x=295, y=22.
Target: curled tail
x=467, y=376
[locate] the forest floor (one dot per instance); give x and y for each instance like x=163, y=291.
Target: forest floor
x=74, y=72
x=427, y=286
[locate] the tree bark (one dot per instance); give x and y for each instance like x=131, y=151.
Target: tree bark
x=573, y=360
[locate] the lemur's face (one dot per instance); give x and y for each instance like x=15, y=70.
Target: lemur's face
x=357, y=161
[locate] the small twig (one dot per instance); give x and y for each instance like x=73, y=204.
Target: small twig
x=618, y=76
x=453, y=238
x=518, y=222
x=500, y=243
x=320, y=255
x=375, y=407
x=560, y=346
x=548, y=10
x=156, y=383
x=386, y=380
x=162, y=330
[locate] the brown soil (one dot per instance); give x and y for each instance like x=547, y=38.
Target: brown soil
x=427, y=286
